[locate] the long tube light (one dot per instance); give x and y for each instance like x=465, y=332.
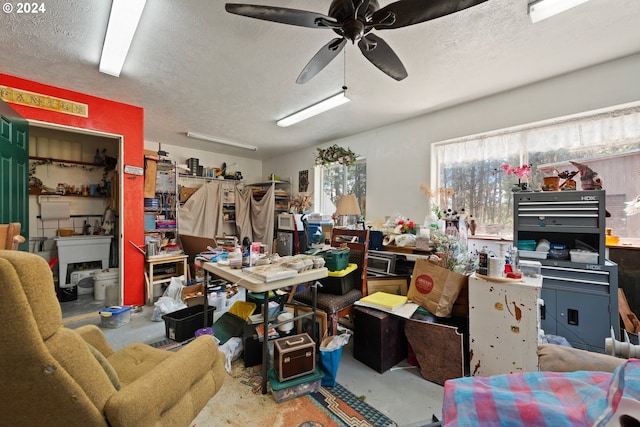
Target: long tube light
x=543, y=9
x=222, y=141
x=315, y=109
x=123, y=22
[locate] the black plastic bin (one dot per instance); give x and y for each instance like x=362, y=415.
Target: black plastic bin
x=182, y=325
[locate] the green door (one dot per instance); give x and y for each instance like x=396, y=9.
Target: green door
x=14, y=170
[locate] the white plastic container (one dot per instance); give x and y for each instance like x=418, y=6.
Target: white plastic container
x=586, y=257
x=102, y=279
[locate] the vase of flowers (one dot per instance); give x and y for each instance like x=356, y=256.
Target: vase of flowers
x=405, y=226
x=335, y=154
x=522, y=172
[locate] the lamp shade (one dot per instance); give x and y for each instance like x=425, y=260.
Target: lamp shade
x=348, y=205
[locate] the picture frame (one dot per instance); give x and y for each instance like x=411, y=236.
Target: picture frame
x=397, y=285
x=304, y=325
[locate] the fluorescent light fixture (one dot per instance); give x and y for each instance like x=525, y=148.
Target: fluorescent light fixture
x=320, y=107
x=543, y=9
x=222, y=141
x=123, y=22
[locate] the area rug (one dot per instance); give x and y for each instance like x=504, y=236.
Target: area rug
x=240, y=403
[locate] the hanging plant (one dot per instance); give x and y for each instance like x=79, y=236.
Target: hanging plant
x=335, y=153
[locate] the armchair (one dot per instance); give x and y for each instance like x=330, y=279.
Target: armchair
x=339, y=306
x=56, y=376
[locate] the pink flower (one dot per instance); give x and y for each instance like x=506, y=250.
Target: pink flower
x=520, y=171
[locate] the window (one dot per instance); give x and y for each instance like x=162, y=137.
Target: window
x=608, y=142
x=332, y=182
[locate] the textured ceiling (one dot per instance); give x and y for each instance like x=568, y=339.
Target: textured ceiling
x=192, y=66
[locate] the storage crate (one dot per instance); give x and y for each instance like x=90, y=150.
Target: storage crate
x=339, y=282
x=182, y=325
x=287, y=390
x=336, y=259
x=115, y=316
x=578, y=255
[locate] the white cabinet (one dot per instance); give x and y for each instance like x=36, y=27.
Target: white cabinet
x=504, y=325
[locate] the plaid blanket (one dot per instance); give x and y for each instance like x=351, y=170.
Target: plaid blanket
x=579, y=398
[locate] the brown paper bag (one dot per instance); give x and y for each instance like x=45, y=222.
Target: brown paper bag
x=436, y=288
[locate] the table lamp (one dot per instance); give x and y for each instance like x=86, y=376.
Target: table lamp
x=348, y=205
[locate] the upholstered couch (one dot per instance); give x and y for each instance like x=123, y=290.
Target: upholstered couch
x=56, y=376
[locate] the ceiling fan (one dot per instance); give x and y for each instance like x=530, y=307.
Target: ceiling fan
x=353, y=20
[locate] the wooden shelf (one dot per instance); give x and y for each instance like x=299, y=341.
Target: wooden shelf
x=73, y=162
x=38, y=192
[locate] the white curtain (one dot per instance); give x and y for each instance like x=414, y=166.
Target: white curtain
x=620, y=126
x=243, y=212
x=201, y=215
x=263, y=218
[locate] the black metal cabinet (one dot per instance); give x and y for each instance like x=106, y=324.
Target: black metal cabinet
x=580, y=299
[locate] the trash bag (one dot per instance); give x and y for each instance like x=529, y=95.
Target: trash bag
x=171, y=299
x=330, y=353
x=165, y=305
x=232, y=349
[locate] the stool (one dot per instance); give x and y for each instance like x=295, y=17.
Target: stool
x=180, y=262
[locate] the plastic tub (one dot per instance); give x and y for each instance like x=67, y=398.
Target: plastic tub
x=533, y=254
x=114, y=317
x=586, y=257
x=287, y=390
x=336, y=259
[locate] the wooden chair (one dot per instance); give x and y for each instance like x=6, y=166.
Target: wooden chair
x=10, y=236
x=339, y=306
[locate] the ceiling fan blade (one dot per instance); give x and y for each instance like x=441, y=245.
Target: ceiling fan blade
x=282, y=15
x=321, y=59
x=378, y=52
x=349, y=7
x=410, y=12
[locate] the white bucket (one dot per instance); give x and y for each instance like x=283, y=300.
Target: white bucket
x=102, y=279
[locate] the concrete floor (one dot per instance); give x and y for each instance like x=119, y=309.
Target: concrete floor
x=400, y=393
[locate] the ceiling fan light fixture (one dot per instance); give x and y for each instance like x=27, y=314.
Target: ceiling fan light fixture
x=203, y=137
x=315, y=109
x=123, y=22
x=543, y=9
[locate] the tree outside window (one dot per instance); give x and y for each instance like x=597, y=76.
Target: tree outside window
x=607, y=141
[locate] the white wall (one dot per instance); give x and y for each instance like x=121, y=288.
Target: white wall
x=398, y=156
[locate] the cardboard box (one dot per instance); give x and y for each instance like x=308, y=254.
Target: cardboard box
x=294, y=356
x=193, y=295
